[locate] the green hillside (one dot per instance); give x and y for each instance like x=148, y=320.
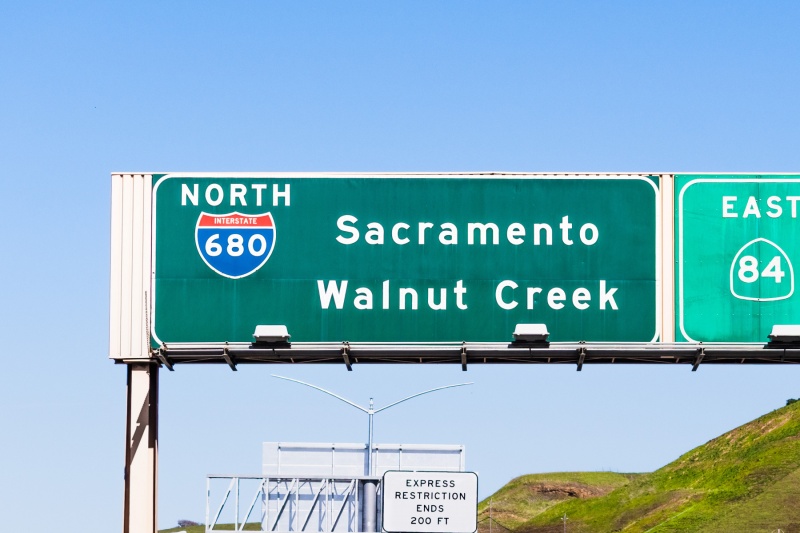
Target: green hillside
x=189, y=529
x=747, y=480
x=202, y=529
x=528, y=496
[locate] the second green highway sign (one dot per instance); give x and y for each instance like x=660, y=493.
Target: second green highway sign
x=738, y=247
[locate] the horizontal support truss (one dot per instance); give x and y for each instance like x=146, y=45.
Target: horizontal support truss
x=464, y=354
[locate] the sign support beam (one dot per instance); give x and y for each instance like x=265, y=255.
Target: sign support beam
x=141, y=449
x=580, y=353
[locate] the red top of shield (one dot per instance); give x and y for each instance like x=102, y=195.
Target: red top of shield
x=235, y=220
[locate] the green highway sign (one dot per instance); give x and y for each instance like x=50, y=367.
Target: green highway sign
x=404, y=258
x=737, y=249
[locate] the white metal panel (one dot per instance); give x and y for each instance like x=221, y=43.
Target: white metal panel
x=147, y=267
x=127, y=264
x=335, y=459
x=116, y=268
x=131, y=222
x=314, y=459
x=449, y=458
x=137, y=287
x=668, y=258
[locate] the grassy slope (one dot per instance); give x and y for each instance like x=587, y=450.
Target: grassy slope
x=527, y=496
x=219, y=527
x=190, y=529
x=745, y=480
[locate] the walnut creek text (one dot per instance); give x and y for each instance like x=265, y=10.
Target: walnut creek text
x=508, y=294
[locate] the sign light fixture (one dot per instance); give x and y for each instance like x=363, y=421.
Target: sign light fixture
x=785, y=333
x=271, y=334
x=531, y=333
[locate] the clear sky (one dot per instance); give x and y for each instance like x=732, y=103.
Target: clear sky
x=87, y=88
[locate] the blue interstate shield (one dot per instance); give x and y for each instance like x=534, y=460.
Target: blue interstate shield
x=235, y=245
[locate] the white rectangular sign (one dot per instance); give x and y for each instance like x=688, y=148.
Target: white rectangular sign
x=430, y=502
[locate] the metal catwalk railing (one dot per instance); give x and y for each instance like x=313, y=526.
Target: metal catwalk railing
x=283, y=504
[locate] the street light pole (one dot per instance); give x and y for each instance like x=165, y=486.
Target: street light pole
x=371, y=414
x=371, y=411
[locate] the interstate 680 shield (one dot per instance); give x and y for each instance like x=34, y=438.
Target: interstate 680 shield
x=235, y=245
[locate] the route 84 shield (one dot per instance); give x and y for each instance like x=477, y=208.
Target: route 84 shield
x=235, y=245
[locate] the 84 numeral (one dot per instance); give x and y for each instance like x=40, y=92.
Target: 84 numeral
x=748, y=269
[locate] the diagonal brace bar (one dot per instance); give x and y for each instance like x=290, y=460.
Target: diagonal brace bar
x=346, y=356
x=314, y=504
x=345, y=495
x=581, y=357
x=229, y=359
x=701, y=353
x=279, y=512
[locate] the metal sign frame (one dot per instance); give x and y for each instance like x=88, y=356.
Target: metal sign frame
x=133, y=288
x=130, y=340
x=132, y=302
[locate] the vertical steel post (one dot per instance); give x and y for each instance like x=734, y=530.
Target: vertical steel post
x=140, y=507
x=329, y=490
x=369, y=506
x=208, y=501
x=369, y=510
x=371, y=414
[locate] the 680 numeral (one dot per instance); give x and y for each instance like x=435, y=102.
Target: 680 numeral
x=256, y=245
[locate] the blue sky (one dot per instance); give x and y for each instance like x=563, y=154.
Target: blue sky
x=87, y=88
